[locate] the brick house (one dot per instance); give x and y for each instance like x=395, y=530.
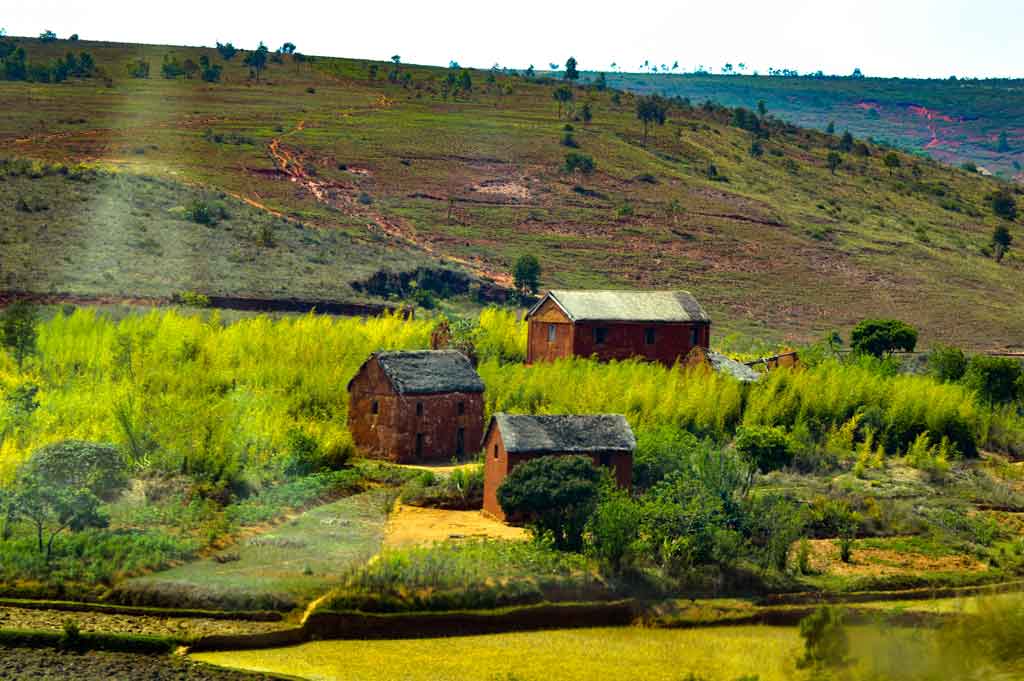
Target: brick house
x=659, y=326
x=416, y=406
x=512, y=439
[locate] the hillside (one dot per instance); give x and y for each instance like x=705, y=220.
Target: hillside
x=377, y=175
x=955, y=121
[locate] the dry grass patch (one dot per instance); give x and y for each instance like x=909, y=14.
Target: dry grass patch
x=876, y=561
x=413, y=526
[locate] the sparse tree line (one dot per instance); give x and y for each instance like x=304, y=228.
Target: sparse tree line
x=15, y=65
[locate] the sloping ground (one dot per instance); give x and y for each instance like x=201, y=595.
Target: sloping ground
x=950, y=120
x=774, y=245
x=281, y=569
x=412, y=526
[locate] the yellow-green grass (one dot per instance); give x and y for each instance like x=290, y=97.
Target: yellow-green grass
x=622, y=654
x=779, y=250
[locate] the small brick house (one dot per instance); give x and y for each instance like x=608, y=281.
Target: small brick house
x=512, y=439
x=659, y=326
x=416, y=406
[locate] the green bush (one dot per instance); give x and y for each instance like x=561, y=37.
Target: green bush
x=613, y=530
x=765, y=448
x=996, y=380
x=879, y=337
x=946, y=363
x=575, y=161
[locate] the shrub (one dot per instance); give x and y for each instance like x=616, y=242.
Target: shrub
x=575, y=161
x=557, y=494
x=996, y=380
x=661, y=451
x=569, y=141
x=613, y=529
x=947, y=363
x=932, y=459
x=765, y=448
x=193, y=299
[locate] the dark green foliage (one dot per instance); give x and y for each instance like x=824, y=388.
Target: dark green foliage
x=764, y=448
x=892, y=161
x=826, y=642
x=600, y=83
x=613, y=529
x=575, y=161
x=96, y=467
x=756, y=149
x=947, y=363
x=557, y=494
x=585, y=113
x=563, y=95
x=651, y=109
x=171, y=69
x=834, y=160
x=18, y=331
x=662, y=451
x=139, y=69
x=571, y=73
x=846, y=142
x=882, y=337
x=569, y=141
x=257, y=60
x=997, y=380
x=1001, y=240
x=1003, y=204
x=227, y=51
x=772, y=525
x=47, y=37
x=527, y=274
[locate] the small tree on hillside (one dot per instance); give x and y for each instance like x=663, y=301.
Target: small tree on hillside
x=557, y=494
x=287, y=48
x=227, y=51
x=563, y=95
x=527, y=274
x=892, y=162
x=846, y=142
x=570, y=70
x=1003, y=204
x=652, y=109
x=189, y=68
x=1001, y=240
x=257, y=60
x=882, y=337
x=18, y=331
x=834, y=161
x=764, y=448
x=997, y=380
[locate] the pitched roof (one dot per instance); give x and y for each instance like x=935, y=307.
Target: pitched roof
x=429, y=371
x=737, y=370
x=627, y=306
x=569, y=433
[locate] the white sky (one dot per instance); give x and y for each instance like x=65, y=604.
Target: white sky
x=883, y=37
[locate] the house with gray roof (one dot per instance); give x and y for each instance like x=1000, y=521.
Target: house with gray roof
x=511, y=439
x=659, y=326
x=424, y=405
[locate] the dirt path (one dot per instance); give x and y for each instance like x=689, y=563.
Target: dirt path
x=414, y=526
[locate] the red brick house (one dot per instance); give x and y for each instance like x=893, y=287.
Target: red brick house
x=416, y=406
x=659, y=326
x=512, y=439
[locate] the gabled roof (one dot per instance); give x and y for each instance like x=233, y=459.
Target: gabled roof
x=424, y=372
x=737, y=370
x=567, y=433
x=626, y=306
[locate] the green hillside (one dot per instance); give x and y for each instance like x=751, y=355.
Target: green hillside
x=955, y=121
x=384, y=166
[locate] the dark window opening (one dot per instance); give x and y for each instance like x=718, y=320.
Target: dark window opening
x=649, y=335
x=495, y=451
x=419, y=445
x=462, y=408
x=419, y=409
x=460, y=442
x=552, y=333
x=600, y=335
x=694, y=335
x=606, y=459
x=375, y=407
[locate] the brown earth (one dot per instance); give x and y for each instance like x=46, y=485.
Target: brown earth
x=56, y=665
x=111, y=623
x=877, y=562
x=413, y=526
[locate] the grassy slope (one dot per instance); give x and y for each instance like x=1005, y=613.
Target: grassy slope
x=771, y=252
x=954, y=121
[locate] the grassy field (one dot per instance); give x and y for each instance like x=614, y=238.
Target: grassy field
x=279, y=569
x=774, y=245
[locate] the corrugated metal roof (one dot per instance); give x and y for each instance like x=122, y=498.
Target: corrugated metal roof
x=566, y=433
x=628, y=306
x=430, y=371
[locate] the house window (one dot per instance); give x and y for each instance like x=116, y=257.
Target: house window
x=495, y=451
x=606, y=459
x=375, y=407
x=694, y=335
x=552, y=333
x=600, y=335
x=419, y=445
x=460, y=442
x=649, y=336
x=462, y=408
x=419, y=409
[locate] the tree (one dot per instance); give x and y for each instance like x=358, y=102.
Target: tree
x=834, y=161
x=527, y=274
x=396, y=59
x=558, y=494
x=1001, y=240
x=1003, y=204
x=563, y=95
x=227, y=51
x=613, y=529
x=211, y=73
x=651, y=109
x=831, y=128
x=947, y=363
x=47, y=37
x=997, y=380
x=575, y=161
x=529, y=71
x=62, y=485
x=846, y=142
x=570, y=70
x=762, y=108
x=585, y=113
x=892, y=161
x=257, y=60
x=764, y=448
x=601, y=83
x=189, y=68
x=18, y=331
x=287, y=48
x=465, y=81
x=139, y=69
x=881, y=337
